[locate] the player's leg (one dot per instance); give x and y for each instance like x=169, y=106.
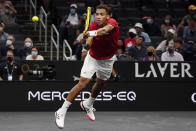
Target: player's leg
x=61, y=112
x=77, y=88
x=88, y=104
x=87, y=72
x=103, y=73
x=97, y=87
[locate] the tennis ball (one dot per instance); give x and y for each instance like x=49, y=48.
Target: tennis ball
x=35, y=19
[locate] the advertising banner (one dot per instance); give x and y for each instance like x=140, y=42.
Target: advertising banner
x=116, y=96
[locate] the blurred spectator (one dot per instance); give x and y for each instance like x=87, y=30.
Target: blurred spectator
x=130, y=41
x=69, y=24
x=190, y=45
x=178, y=45
x=92, y=3
x=151, y=27
x=26, y=50
x=7, y=12
x=93, y=14
x=185, y=19
x=3, y=35
x=169, y=3
x=138, y=51
x=171, y=54
x=121, y=55
x=171, y=34
x=47, y=5
x=151, y=54
x=77, y=46
x=142, y=4
x=166, y=25
x=139, y=28
x=120, y=47
x=10, y=70
x=189, y=2
x=111, y=3
x=72, y=18
x=81, y=24
x=189, y=51
x=34, y=55
x=190, y=30
x=8, y=46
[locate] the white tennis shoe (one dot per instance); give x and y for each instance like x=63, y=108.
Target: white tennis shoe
x=89, y=111
x=60, y=117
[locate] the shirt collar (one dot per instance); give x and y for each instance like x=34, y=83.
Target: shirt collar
x=170, y=55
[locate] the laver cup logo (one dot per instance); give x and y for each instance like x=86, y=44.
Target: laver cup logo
x=103, y=96
x=175, y=70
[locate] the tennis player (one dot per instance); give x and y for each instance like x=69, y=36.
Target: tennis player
x=102, y=38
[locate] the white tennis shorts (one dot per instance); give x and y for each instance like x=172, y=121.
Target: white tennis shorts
x=102, y=68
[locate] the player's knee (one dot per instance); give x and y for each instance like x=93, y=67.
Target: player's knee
x=83, y=83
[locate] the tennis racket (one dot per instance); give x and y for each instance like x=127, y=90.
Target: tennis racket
x=87, y=23
x=88, y=16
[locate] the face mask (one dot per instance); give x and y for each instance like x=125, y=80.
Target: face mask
x=72, y=11
x=167, y=21
x=1, y=29
x=170, y=50
x=8, y=42
x=34, y=53
x=149, y=21
x=131, y=35
x=27, y=44
x=189, y=48
x=10, y=59
x=150, y=54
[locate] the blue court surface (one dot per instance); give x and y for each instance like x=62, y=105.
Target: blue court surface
x=105, y=121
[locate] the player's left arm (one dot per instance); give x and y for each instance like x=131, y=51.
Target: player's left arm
x=105, y=30
x=101, y=31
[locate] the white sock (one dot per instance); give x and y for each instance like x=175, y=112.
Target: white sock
x=89, y=101
x=66, y=105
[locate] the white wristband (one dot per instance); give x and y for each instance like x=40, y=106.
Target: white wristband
x=92, y=33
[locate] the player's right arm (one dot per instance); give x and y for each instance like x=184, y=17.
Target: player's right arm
x=86, y=41
x=89, y=42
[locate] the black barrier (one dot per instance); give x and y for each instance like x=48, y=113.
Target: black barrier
x=120, y=96
x=129, y=71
